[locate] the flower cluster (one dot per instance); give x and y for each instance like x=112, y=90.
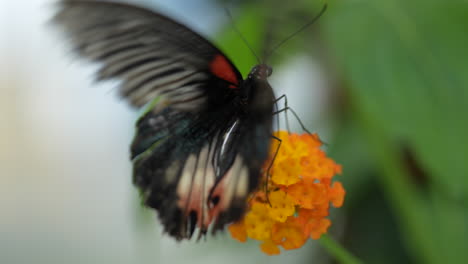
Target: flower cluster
x=298, y=191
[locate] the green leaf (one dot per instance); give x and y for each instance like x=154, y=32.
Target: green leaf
x=406, y=64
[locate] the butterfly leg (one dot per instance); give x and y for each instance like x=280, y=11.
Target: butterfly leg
x=268, y=174
x=285, y=106
x=285, y=109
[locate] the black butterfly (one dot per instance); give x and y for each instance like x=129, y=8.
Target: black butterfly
x=201, y=143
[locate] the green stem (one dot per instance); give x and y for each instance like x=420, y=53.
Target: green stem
x=337, y=251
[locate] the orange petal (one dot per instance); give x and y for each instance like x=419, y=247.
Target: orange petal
x=338, y=169
x=337, y=193
x=319, y=227
x=288, y=235
x=307, y=194
x=270, y=248
x=286, y=171
x=238, y=231
x=257, y=222
x=281, y=206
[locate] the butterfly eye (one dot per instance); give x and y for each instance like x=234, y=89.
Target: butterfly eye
x=261, y=71
x=265, y=70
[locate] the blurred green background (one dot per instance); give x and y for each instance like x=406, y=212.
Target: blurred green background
x=384, y=83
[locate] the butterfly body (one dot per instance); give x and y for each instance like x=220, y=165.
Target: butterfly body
x=200, y=146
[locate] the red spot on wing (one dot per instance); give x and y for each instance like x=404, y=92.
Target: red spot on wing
x=222, y=69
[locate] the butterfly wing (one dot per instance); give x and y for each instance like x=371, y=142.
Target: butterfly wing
x=198, y=171
x=193, y=156
x=152, y=54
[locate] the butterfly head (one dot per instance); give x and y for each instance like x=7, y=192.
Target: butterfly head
x=261, y=72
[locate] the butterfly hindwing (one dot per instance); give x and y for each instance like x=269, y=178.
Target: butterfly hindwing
x=197, y=172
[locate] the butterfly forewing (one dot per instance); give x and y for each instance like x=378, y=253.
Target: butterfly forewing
x=152, y=54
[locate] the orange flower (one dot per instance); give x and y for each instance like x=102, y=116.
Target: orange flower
x=270, y=248
x=238, y=231
x=297, y=202
x=289, y=235
x=318, y=227
x=286, y=172
x=337, y=193
x=281, y=207
x=307, y=194
x=258, y=222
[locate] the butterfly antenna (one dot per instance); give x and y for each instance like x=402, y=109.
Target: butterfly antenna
x=240, y=34
x=324, y=8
